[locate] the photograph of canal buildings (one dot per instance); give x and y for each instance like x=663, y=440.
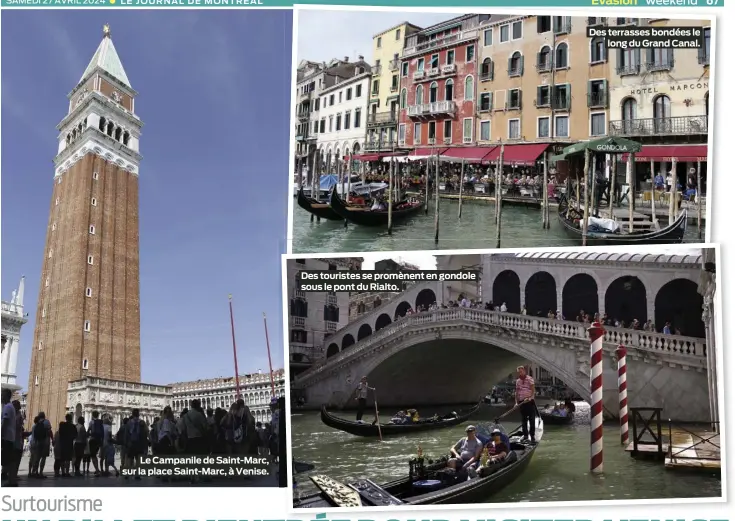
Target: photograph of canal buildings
x=383, y=385
x=499, y=99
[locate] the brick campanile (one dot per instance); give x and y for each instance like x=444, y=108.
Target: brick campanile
x=88, y=316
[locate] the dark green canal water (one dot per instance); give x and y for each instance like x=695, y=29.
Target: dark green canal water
x=520, y=228
x=559, y=470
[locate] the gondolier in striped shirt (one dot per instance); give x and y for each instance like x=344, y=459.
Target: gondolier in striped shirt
x=525, y=393
x=361, y=396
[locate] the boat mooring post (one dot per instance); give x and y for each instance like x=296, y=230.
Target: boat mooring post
x=499, y=197
x=498, y=186
x=654, y=217
x=586, y=213
x=436, y=213
x=613, y=181
x=461, y=185
x=621, y=354
x=428, y=162
x=596, y=333
x=631, y=191
x=349, y=178
x=672, y=192
x=390, y=198
x=545, y=195
x=699, y=199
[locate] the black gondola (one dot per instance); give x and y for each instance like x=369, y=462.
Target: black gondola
x=672, y=234
x=364, y=216
x=555, y=419
x=387, y=429
x=311, y=205
x=406, y=491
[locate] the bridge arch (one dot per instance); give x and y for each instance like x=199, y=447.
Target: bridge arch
x=579, y=293
x=625, y=300
x=402, y=309
x=347, y=341
x=382, y=321
x=425, y=298
x=507, y=289
x=540, y=294
x=364, y=332
x=332, y=350
x=679, y=302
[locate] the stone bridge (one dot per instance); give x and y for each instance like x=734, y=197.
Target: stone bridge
x=455, y=355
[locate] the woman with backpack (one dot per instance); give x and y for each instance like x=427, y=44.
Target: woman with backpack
x=42, y=438
x=136, y=440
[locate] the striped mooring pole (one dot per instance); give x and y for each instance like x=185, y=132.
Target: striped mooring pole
x=621, y=353
x=596, y=333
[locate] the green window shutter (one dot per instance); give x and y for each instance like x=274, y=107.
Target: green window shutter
x=521, y=65
x=569, y=95
x=510, y=63
x=519, y=98
x=490, y=97
x=492, y=69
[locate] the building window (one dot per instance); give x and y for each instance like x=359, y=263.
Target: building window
x=417, y=133
x=450, y=56
x=447, y=131
x=629, y=113
x=398, y=34
x=43, y=312
x=467, y=130
x=515, y=64
x=703, y=52
x=598, y=52
x=35, y=381
x=432, y=132
x=470, y=53
x=48, y=281
x=562, y=97
x=514, y=128
x=597, y=93
x=561, y=126
x=419, y=95
x=94, y=201
x=53, y=227
x=543, y=59
x=517, y=30
x=339, y=97
x=358, y=91
x=504, y=33
x=348, y=94
x=485, y=130
x=542, y=127
x=347, y=120
x=449, y=90
x=403, y=98
x=89, y=292
x=486, y=101
x=90, y=259
x=543, y=96
x=331, y=122
x=514, y=99
x=50, y=253
x=562, y=24
x=629, y=62
x=87, y=326
x=322, y=126
x=95, y=176
x=661, y=113
x=91, y=230
x=487, y=69
x=380, y=42
x=597, y=124
x=488, y=37
x=469, y=88
x=433, y=92
x=562, y=56
x=404, y=69
x=358, y=122
x=57, y=201
x=394, y=83
x=85, y=364
x=40, y=346
x=434, y=61
x=58, y=182
x=402, y=134
x=660, y=59
x=376, y=88
x=543, y=24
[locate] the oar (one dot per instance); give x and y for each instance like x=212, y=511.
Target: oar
x=506, y=413
x=377, y=417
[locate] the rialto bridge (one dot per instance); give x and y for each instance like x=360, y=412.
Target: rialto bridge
x=455, y=355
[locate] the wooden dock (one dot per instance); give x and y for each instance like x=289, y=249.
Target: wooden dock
x=698, y=451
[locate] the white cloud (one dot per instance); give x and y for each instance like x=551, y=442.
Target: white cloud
x=323, y=35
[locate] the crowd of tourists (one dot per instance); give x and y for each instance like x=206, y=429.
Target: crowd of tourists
x=79, y=448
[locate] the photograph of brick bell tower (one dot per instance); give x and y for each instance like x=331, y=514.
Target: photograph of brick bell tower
x=88, y=315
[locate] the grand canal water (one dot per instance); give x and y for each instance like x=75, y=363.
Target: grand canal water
x=520, y=228
x=559, y=470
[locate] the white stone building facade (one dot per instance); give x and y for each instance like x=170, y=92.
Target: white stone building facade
x=343, y=115
x=312, y=317
x=256, y=390
x=13, y=318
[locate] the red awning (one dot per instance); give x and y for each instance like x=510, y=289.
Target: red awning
x=428, y=151
x=374, y=157
x=472, y=154
x=518, y=154
x=666, y=153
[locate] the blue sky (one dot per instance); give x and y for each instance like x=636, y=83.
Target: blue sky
x=214, y=94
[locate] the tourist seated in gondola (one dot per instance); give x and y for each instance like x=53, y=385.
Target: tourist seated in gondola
x=497, y=449
x=466, y=452
x=400, y=418
x=569, y=406
x=414, y=415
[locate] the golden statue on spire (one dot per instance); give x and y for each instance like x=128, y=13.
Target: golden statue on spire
x=106, y=30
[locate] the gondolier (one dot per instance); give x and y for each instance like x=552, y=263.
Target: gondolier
x=525, y=393
x=361, y=396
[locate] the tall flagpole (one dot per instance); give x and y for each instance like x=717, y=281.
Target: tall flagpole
x=270, y=364
x=234, y=350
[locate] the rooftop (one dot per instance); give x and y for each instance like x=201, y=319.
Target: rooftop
x=107, y=59
x=592, y=256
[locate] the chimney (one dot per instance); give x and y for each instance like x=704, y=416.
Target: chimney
x=347, y=59
x=360, y=57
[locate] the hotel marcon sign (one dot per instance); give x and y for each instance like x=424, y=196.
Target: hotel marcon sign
x=697, y=86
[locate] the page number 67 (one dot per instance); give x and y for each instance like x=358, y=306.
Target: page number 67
x=713, y=2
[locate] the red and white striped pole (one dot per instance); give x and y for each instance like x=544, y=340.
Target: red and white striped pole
x=596, y=333
x=623, y=393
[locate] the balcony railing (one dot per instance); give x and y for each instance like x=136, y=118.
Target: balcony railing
x=515, y=71
x=376, y=144
x=591, y=21
x=419, y=75
x=439, y=42
x=303, y=116
x=665, y=64
x=544, y=100
x=447, y=140
x=297, y=293
x=330, y=326
x=431, y=141
x=680, y=125
x=543, y=64
x=385, y=118
x=433, y=72
x=628, y=70
x=394, y=88
x=427, y=109
x=394, y=64
x=331, y=300
x=563, y=28
x=560, y=102
x=298, y=321
x=451, y=68
x=598, y=99
x=304, y=96
x=300, y=137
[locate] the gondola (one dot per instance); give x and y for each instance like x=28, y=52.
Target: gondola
x=555, y=419
x=364, y=216
x=411, y=490
x=672, y=234
x=311, y=205
x=388, y=429
x=526, y=202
